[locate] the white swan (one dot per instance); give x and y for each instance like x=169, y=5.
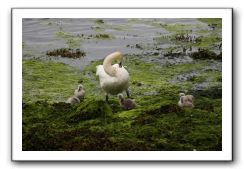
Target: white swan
x=113, y=79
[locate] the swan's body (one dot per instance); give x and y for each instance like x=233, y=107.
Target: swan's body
x=113, y=79
x=185, y=100
x=113, y=84
x=127, y=104
x=80, y=92
x=73, y=100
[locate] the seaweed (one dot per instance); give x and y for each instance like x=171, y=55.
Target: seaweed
x=65, y=52
x=206, y=54
x=156, y=124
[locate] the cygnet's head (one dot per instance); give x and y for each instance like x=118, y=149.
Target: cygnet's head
x=182, y=94
x=80, y=87
x=120, y=96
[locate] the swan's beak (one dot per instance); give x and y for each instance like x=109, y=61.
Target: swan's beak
x=120, y=64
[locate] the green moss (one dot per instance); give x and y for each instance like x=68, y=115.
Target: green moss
x=101, y=26
x=206, y=54
x=71, y=41
x=157, y=123
x=196, y=35
x=48, y=81
x=103, y=36
x=212, y=21
x=178, y=27
x=99, y=21
x=91, y=110
x=208, y=40
x=62, y=34
x=147, y=132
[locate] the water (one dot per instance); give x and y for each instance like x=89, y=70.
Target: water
x=39, y=37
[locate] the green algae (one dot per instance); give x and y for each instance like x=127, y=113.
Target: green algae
x=217, y=22
x=206, y=54
x=183, y=28
x=91, y=110
x=207, y=35
x=99, y=21
x=157, y=123
x=71, y=41
x=103, y=36
x=48, y=81
x=101, y=25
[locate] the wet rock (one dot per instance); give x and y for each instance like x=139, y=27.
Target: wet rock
x=99, y=21
x=151, y=53
x=185, y=37
x=206, y=54
x=212, y=26
x=185, y=77
x=214, y=66
x=173, y=54
x=137, y=83
x=201, y=86
x=138, y=46
x=204, y=90
x=176, y=61
x=102, y=36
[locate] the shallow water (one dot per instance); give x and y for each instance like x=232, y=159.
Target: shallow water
x=39, y=37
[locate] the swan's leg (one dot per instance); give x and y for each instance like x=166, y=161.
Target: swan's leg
x=106, y=97
x=127, y=93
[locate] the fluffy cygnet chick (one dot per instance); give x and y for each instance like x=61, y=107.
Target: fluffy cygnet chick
x=73, y=100
x=127, y=104
x=185, y=100
x=80, y=92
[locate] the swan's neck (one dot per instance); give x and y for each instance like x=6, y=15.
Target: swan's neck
x=122, y=100
x=107, y=63
x=181, y=99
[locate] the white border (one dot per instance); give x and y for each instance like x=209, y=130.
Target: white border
x=19, y=155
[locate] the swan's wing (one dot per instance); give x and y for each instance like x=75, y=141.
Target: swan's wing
x=121, y=71
x=100, y=71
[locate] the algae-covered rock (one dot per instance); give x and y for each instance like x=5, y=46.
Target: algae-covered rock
x=147, y=132
x=156, y=124
x=91, y=110
x=202, y=140
x=206, y=54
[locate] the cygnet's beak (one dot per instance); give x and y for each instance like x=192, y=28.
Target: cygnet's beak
x=120, y=64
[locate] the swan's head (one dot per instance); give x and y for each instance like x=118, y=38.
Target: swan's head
x=118, y=58
x=108, y=61
x=120, y=64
